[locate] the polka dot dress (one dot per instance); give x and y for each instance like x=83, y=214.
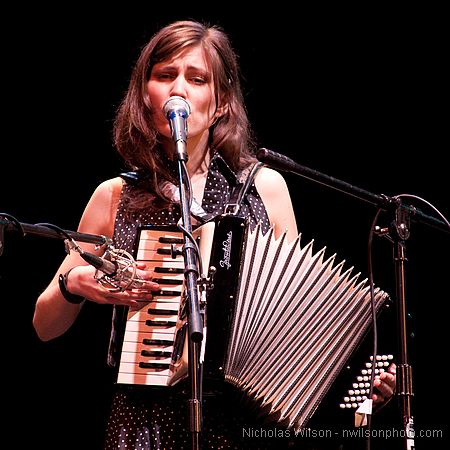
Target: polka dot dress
x=157, y=418
x=146, y=417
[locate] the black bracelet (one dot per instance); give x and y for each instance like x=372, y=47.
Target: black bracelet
x=71, y=298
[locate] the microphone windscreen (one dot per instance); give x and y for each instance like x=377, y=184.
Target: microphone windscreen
x=177, y=104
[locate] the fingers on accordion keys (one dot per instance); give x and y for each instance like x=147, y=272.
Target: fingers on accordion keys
x=360, y=387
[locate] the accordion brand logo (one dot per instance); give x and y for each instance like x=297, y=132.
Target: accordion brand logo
x=226, y=247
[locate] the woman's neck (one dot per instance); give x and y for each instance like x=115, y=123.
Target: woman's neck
x=198, y=156
x=198, y=163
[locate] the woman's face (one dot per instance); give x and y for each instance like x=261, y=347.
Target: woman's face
x=187, y=75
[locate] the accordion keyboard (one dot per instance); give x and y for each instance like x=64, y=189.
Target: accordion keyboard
x=154, y=328
x=154, y=349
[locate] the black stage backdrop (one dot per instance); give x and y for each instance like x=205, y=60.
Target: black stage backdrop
x=359, y=95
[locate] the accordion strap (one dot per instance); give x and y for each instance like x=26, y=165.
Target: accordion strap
x=240, y=190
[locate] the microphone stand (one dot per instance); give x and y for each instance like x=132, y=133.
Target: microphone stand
x=400, y=233
x=400, y=230
x=195, y=321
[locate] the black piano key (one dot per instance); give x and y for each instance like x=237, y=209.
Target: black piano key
x=166, y=293
x=160, y=323
x=167, y=281
x=154, y=365
x=162, y=312
x=157, y=342
x=156, y=353
x=170, y=240
x=168, y=270
x=164, y=251
x=172, y=251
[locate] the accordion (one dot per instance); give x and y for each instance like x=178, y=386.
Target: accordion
x=281, y=319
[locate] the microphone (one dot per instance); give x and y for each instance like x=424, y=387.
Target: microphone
x=282, y=162
x=119, y=272
x=276, y=160
x=107, y=267
x=177, y=110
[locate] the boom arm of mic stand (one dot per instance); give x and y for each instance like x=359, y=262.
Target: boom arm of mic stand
x=44, y=231
x=282, y=162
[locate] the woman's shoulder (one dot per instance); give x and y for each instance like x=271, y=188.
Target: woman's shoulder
x=99, y=214
x=106, y=194
x=111, y=183
x=269, y=179
x=109, y=188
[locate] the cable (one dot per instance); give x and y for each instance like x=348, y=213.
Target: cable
x=374, y=319
x=187, y=181
x=447, y=222
x=69, y=242
x=14, y=221
x=197, y=250
x=55, y=228
x=190, y=199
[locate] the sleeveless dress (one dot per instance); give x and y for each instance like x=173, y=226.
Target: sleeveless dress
x=147, y=417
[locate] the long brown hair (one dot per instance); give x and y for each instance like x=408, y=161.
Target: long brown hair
x=135, y=135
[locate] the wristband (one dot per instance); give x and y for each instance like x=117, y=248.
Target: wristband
x=71, y=298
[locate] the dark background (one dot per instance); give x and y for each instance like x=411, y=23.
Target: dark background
x=361, y=95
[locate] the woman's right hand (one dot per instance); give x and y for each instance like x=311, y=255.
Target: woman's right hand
x=82, y=281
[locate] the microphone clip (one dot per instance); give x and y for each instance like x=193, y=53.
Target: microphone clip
x=116, y=270
x=125, y=276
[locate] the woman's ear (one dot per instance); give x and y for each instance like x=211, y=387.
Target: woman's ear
x=221, y=111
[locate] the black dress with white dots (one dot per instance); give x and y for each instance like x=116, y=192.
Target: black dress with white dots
x=146, y=417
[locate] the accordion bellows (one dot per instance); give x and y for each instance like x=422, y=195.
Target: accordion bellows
x=297, y=320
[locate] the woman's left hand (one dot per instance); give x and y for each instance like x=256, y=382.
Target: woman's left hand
x=385, y=385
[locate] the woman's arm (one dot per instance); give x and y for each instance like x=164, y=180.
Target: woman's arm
x=53, y=314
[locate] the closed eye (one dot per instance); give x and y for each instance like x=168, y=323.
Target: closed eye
x=165, y=76
x=198, y=80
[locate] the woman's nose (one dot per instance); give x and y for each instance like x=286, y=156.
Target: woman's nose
x=179, y=87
